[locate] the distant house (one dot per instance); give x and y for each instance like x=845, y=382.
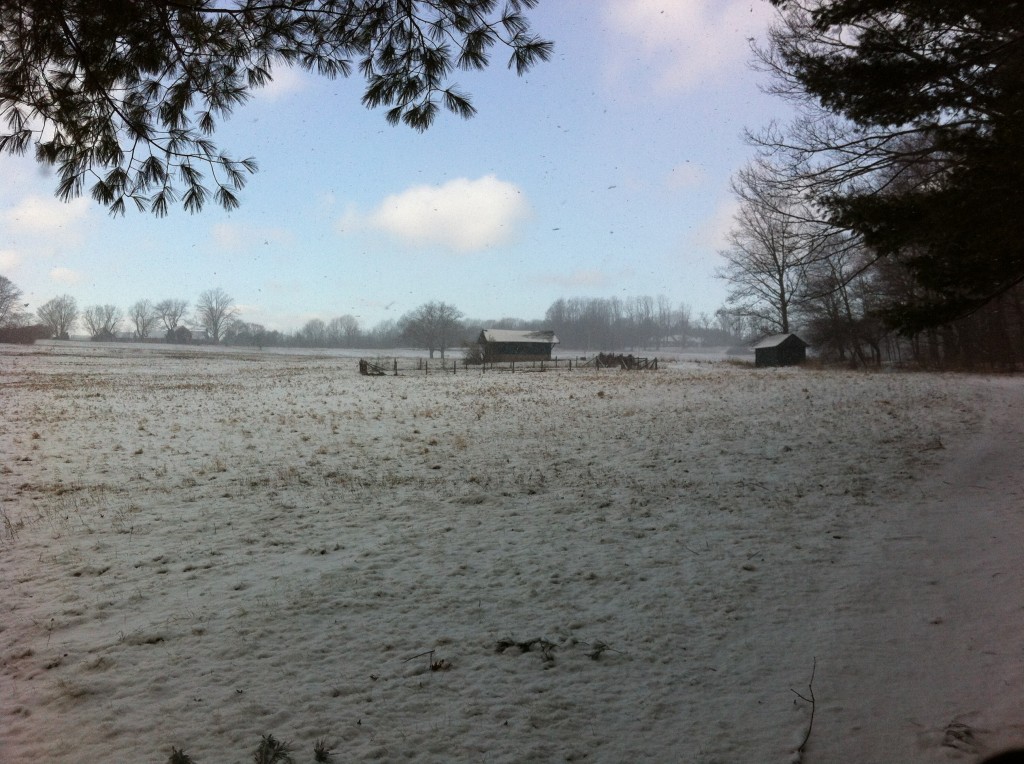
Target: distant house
x=780, y=350
x=181, y=335
x=515, y=345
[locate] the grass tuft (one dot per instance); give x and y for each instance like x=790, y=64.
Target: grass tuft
x=272, y=751
x=321, y=752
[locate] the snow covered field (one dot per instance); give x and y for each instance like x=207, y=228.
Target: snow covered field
x=198, y=549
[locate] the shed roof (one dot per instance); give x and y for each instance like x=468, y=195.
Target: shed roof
x=515, y=335
x=775, y=340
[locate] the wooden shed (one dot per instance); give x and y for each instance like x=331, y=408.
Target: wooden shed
x=780, y=350
x=514, y=345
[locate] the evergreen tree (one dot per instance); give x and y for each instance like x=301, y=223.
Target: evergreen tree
x=924, y=157
x=131, y=90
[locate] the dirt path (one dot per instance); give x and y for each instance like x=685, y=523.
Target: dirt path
x=935, y=647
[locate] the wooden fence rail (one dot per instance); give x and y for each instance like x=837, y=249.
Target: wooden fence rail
x=379, y=367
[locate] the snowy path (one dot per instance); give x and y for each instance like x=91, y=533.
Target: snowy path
x=927, y=660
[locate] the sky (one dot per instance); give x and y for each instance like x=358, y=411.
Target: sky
x=601, y=173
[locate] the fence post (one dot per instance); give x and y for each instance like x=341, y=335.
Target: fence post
x=396, y=367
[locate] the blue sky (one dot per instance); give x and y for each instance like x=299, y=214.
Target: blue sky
x=602, y=173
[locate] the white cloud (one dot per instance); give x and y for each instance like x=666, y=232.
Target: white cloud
x=287, y=80
x=65, y=276
x=9, y=259
x=685, y=43
x=39, y=215
x=461, y=215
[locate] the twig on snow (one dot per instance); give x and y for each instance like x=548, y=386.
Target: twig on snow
x=597, y=648
x=441, y=664
x=419, y=655
x=811, y=700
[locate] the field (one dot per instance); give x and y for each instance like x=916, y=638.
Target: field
x=704, y=563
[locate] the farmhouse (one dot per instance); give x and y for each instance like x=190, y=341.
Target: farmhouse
x=780, y=350
x=514, y=345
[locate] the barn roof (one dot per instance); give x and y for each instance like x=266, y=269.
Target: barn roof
x=775, y=340
x=518, y=336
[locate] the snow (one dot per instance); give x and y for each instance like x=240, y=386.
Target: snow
x=198, y=549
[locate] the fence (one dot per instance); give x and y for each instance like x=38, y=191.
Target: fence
x=381, y=367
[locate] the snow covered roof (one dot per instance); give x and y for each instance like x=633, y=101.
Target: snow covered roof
x=774, y=340
x=516, y=335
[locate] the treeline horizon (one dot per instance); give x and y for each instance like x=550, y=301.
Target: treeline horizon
x=580, y=323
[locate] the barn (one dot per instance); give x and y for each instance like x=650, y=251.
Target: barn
x=514, y=345
x=780, y=350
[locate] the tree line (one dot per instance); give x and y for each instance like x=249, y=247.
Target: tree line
x=215, y=312
x=580, y=323
x=884, y=221
x=633, y=323
x=588, y=324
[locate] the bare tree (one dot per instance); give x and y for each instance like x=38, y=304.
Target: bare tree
x=314, y=333
x=143, y=315
x=610, y=323
x=343, y=330
x=102, y=321
x=243, y=333
x=59, y=315
x=12, y=311
x=215, y=309
x=591, y=323
x=684, y=317
x=775, y=237
x=640, y=318
x=663, y=319
x=434, y=326
x=385, y=333
x=171, y=313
